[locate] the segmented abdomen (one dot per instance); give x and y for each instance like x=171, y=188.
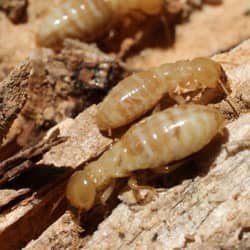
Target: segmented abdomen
x=131, y=98
x=169, y=135
x=156, y=141
x=140, y=92
x=85, y=19
x=88, y=19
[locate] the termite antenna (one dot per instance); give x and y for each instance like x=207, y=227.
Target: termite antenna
x=229, y=100
x=76, y=215
x=228, y=62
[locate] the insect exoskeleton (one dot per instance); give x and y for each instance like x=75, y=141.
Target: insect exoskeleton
x=88, y=19
x=200, y=80
x=148, y=7
x=160, y=139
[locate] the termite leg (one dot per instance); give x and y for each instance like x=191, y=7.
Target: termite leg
x=228, y=100
x=167, y=30
x=76, y=218
x=177, y=98
x=109, y=132
x=125, y=47
x=169, y=168
x=107, y=192
x=133, y=185
x=157, y=108
x=230, y=103
x=56, y=204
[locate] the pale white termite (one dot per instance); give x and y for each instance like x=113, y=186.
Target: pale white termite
x=200, y=80
x=88, y=19
x=160, y=139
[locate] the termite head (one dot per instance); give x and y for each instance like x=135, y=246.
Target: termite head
x=81, y=191
x=210, y=78
x=208, y=72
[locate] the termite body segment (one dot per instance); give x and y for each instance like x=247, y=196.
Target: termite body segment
x=197, y=81
x=160, y=139
x=88, y=19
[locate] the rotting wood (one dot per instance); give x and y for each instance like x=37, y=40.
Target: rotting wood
x=84, y=141
x=209, y=210
x=61, y=236
x=26, y=219
x=8, y=195
x=25, y=159
x=13, y=93
x=237, y=66
x=201, y=212
x=62, y=85
x=212, y=209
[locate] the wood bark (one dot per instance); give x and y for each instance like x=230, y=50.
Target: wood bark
x=13, y=94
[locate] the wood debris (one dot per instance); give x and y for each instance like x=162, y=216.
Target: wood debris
x=84, y=141
x=13, y=93
x=8, y=195
x=25, y=159
x=202, y=205
x=188, y=215
x=62, y=85
x=205, y=204
x=46, y=187
x=211, y=207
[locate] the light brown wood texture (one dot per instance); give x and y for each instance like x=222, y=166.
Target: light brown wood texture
x=209, y=210
x=40, y=206
x=215, y=27
x=13, y=96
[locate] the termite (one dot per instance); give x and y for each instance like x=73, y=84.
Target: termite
x=161, y=139
x=200, y=80
x=89, y=19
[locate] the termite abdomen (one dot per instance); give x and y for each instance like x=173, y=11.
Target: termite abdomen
x=89, y=19
x=196, y=81
x=158, y=140
x=76, y=19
